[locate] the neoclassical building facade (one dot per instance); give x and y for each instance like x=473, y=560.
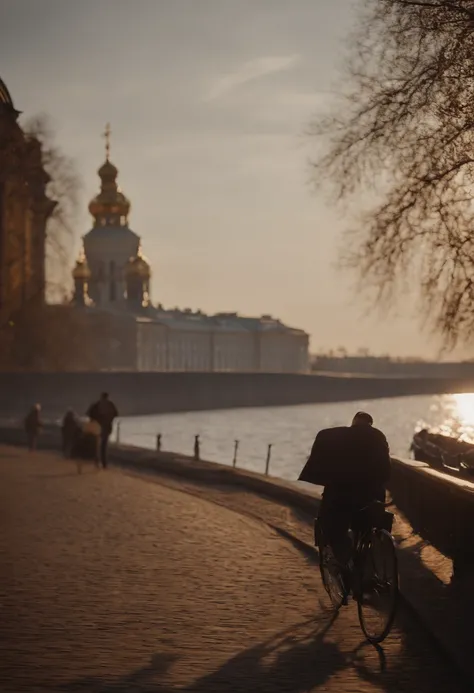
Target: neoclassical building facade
x=112, y=277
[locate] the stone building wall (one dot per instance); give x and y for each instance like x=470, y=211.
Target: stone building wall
x=24, y=210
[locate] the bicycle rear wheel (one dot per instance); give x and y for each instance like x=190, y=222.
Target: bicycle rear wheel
x=377, y=596
x=330, y=574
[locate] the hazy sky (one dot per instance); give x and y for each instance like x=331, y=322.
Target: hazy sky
x=208, y=102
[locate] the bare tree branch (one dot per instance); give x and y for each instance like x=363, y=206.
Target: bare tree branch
x=405, y=125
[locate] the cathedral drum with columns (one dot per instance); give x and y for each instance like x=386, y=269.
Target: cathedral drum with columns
x=112, y=282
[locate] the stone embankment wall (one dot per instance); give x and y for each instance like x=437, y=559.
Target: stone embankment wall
x=149, y=393
x=439, y=508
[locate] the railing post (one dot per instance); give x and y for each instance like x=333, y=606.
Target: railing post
x=158, y=442
x=236, y=447
x=197, y=447
x=117, y=435
x=269, y=454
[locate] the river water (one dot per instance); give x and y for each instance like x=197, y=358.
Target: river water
x=291, y=430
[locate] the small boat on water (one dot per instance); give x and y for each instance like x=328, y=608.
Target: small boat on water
x=446, y=453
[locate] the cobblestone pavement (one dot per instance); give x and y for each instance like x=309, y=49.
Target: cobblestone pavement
x=111, y=582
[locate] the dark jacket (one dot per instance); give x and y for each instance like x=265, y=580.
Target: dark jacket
x=349, y=461
x=104, y=412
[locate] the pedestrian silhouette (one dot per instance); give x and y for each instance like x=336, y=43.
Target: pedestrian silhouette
x=33, y=426
x=103, y=412
x=70, y=433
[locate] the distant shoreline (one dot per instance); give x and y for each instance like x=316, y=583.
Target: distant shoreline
x=140, y=393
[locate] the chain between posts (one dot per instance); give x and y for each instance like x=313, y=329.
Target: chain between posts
x=197, y=448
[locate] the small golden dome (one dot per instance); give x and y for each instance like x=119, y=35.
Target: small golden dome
x=138, y=266
x=81, y=269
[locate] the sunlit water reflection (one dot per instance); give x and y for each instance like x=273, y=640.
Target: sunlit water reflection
x=291, y=430
x=457, y=412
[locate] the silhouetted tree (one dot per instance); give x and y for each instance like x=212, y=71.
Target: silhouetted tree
x=34, y=336
x=401, y=141
x=64, y=187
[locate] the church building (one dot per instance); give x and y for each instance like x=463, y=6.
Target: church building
x=111, y=272
x=112, y=282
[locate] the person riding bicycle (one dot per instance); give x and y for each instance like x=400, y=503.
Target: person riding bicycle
x=353, y=465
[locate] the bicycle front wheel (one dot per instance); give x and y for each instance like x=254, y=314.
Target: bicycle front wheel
x=377, y=596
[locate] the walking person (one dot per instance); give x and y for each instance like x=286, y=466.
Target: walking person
x=70, y=432
x=33, y=426
x=103, y=412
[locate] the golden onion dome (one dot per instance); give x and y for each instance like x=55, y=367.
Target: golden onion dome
x=81, y=269
x=110, y=206
x=109, y=202
x=138, y=266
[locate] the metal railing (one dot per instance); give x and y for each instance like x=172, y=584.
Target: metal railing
x=196, y=449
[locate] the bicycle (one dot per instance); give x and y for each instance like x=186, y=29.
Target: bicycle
x=372, y=575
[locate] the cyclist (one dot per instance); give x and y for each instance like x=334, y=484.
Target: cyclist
x=353, y=465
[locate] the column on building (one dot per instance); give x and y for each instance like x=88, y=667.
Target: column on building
x=152, y=345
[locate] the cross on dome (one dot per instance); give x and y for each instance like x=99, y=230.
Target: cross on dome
x=106, y=135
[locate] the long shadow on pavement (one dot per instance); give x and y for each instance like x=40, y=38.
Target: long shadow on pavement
x=309, y=553
x=139, y=681
x=296, y=660
x=290, y=662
